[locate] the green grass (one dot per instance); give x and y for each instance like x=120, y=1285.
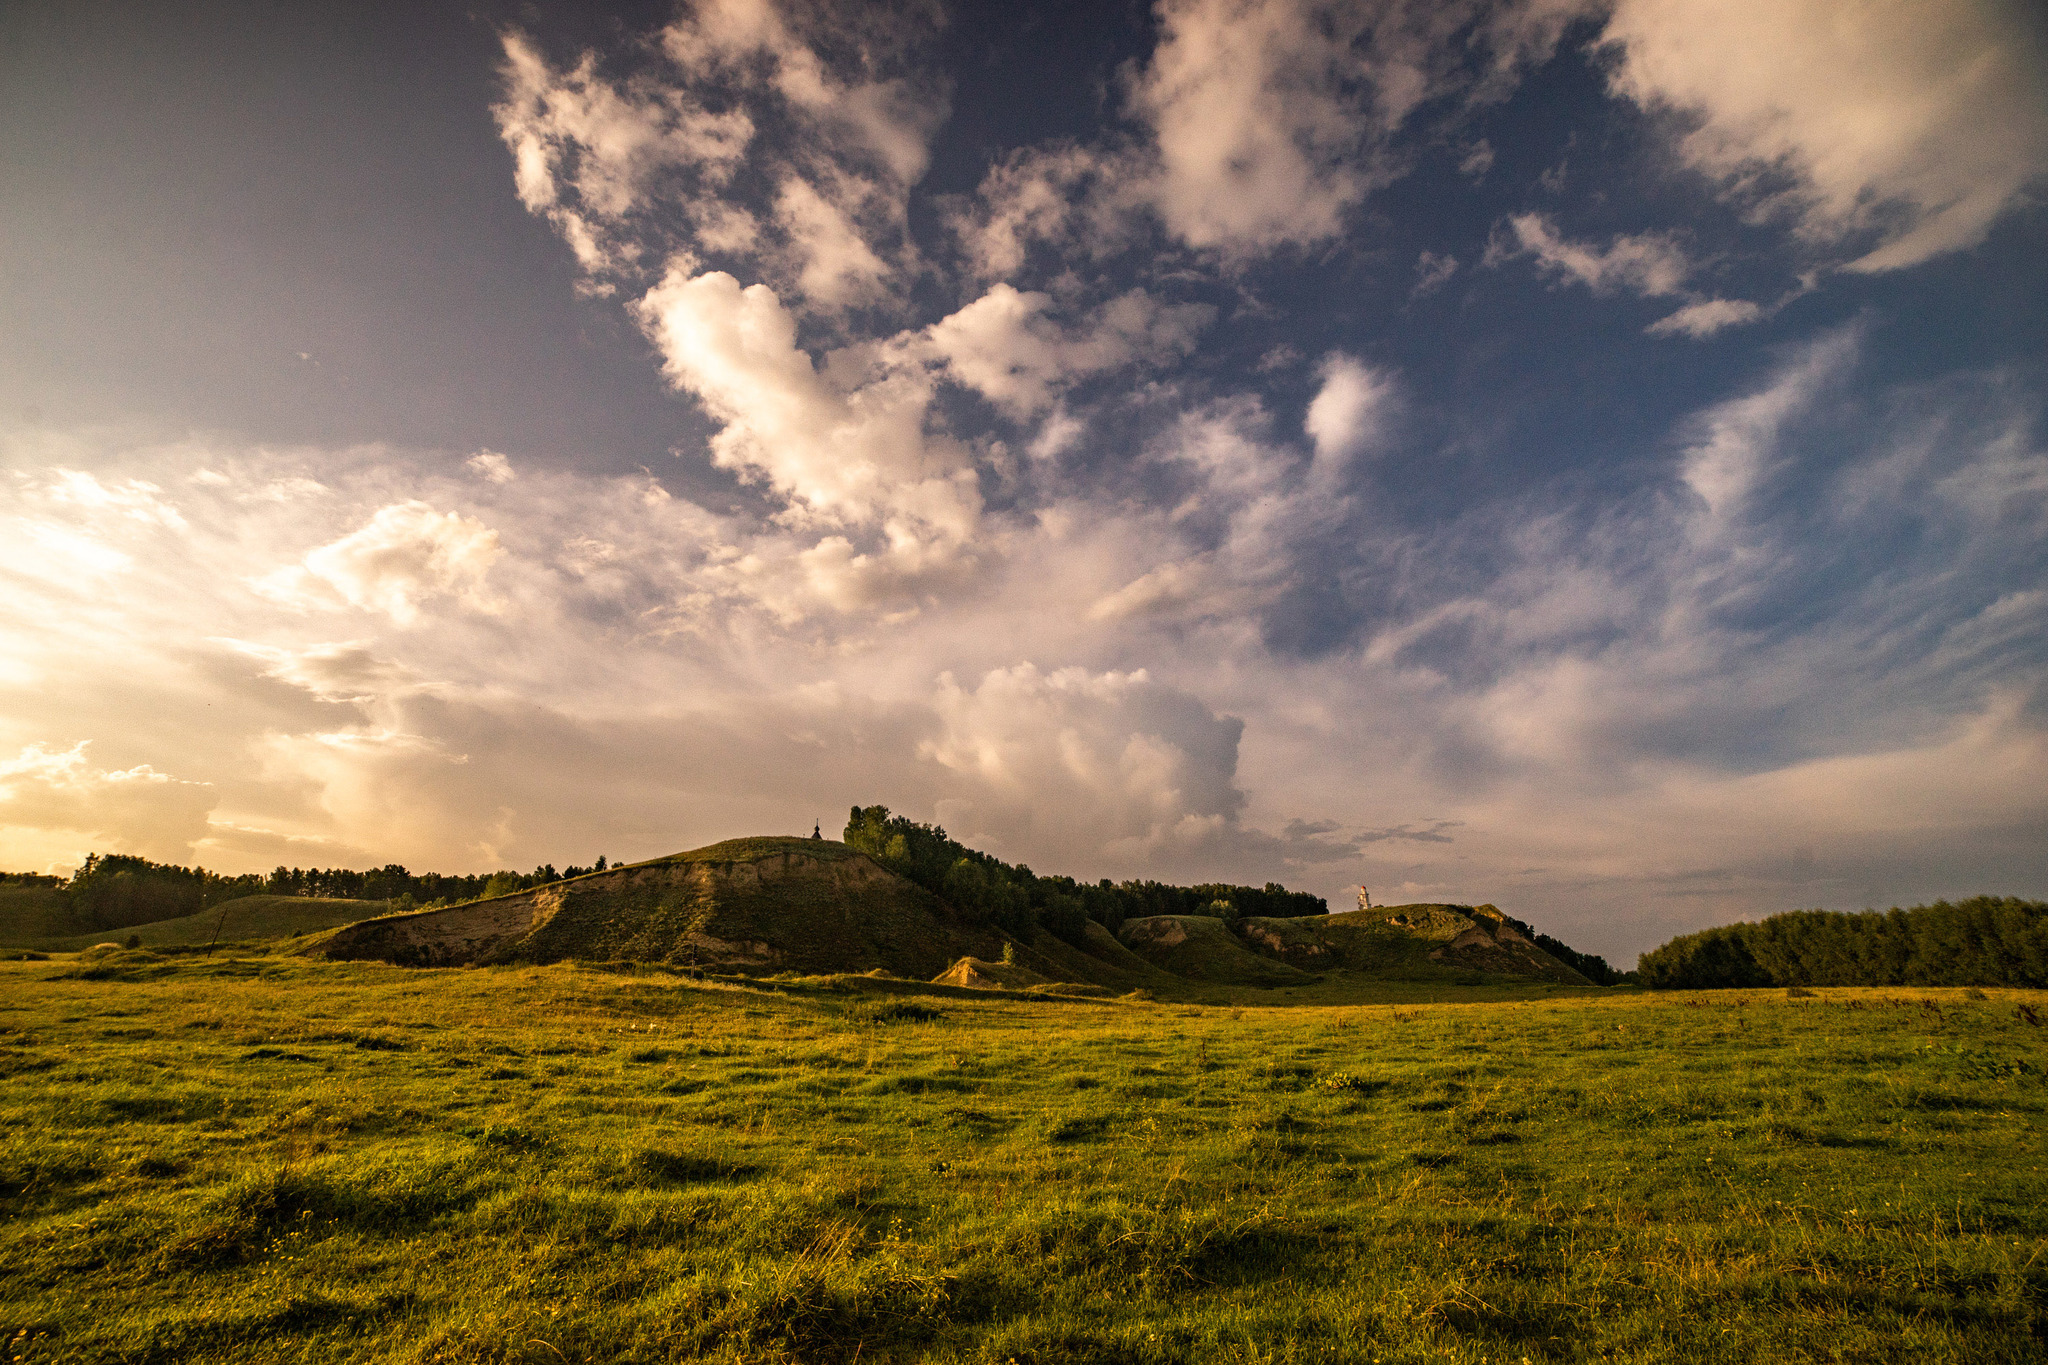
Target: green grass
x=271, y=1159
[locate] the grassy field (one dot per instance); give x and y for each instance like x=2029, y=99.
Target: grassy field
x=267, y=1159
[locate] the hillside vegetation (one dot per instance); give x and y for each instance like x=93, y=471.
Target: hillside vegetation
x=264, y=1159
x=1983, y=941
x=117, y=891
x=33, y=909
x=244, y=920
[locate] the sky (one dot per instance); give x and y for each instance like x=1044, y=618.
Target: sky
x=1582, y=455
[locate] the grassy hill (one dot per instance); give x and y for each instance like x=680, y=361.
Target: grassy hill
x=1202, y=948
x=761, y=905
x=818, y=907
x=1416, y=942
x=250, y=919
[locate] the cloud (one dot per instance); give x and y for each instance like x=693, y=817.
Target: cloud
x=55, y=806
x=347, y=671
x=888, y=120
x=1648, y=264
x=1432, y=272
x=1706, y=317
x=1069, y=195
x=403, y=556
x=1433, y=833
x=848, y=446
x=1651, y=264
x=1598, y=687
x=491, y=467
x=1348, y=410
x=1734, y=443
x=1254, y=128
x=664, y=161
x=589, y=154
x=1929, y=120
x=837, y=267
x=132, y=499
x=1271, y=122
x=1007, y=346
x=1257, y=142
x=1110, y=765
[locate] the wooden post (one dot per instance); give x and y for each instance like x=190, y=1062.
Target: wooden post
x=219, y=924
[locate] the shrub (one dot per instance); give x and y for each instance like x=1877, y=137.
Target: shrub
x=895, y=1012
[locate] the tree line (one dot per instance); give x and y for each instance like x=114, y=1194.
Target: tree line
x=1592, y=966
x=1982, y=941
x=114, y=890
x=1015, y=899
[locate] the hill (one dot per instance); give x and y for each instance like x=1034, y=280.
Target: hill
x=1202, y=948
x=820, y=907
x=810, y=906
x=247, y=919
x=1414, y=941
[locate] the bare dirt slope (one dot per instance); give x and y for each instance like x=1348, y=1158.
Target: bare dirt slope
x=983, y=975
x=750, y=905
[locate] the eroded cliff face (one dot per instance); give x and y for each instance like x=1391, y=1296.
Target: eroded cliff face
x=782, y=911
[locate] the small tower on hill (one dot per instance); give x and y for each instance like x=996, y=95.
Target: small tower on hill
x=1364, y=899
x=817, y=829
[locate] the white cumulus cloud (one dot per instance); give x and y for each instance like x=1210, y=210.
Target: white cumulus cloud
x=1117, y=763
x=1899, y=130
x=405, y=555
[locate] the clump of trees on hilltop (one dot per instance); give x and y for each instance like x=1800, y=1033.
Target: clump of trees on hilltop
x=1014, y=898
x=1983, y=941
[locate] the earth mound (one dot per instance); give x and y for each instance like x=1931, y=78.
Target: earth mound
x=1424, y=939
x=745, y=905
x=975, y=974
x=973, y=971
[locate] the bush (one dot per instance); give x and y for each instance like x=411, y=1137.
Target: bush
x=895, y=1012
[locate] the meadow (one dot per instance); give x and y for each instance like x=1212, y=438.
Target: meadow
x=259, y=1158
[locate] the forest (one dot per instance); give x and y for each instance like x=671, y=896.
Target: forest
x=1982, y=941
